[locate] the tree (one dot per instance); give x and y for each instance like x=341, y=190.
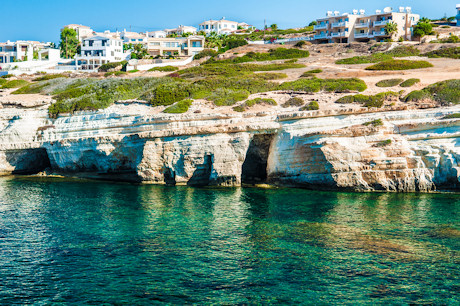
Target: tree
x=69, y=43
x=391, y=28
x=138, y=51
x=423, y=28
x=274, y=27
x=425, y=20
x=186, y=34
x=313, y=23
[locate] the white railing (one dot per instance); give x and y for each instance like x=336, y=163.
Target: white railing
x=363, y=35
x=380, y=23
x=305, y=38
x=320, y=27
x=363, y=25
x=338, y=34
x=340, y=24
x=381, y=33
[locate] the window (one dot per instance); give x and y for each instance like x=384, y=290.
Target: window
x=196, y=44
x=113, y=53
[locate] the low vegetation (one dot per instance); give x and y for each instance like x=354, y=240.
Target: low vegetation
x=401, y=51
x=15, y=84
x=377, y=100
x=273, y=54
x=452, y=116
x=445, y=92
x=329, y=85
x=113, y=65
x=164, y=69
x=257, y=101
x=409, y=82
x=2, y=81
x=50, y=77
x=313, y=105
x=383, y=143
x=453, y=52
x=206, y=53
x=179, y=108
x=389, y=83
x=393, y=65
x=293, y=102
x=376, y=122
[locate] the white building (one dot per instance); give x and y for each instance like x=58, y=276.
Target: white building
x=179, y=46
x=157, y=34
x=222, y=26
x=16, y=51
x=180, y=30
x=133, y=37
x=358, y=26
x=82, y=31
x=99, y=50
x=458, y=15
x=245, y=26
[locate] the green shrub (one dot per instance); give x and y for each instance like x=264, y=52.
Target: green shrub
x=453, y=52
x=49, y=77
x=170, y=93
x=383, y=143
x=315, y=71
x=205, y=53
x=118, y=73
x=179, y=108
x=376, y=122
x=452, y=116
x=113, y=65
x=291, y=61
x=250, y=103
x=164, y=68
x=313, y=105
x=133, y=71
x=400, y=65
x=233, y=43
x=445, y=92
x=293, y=102
x=107, y=74
x=272, y=67
x=369, y=101
x=329, y=85
x=300, y=44
x=409, y=82
x=389, y=83
x=403, y=51
x=15, y=84
x=374, y=58
x=7, y=76
x=273, y=54
x=2, y=81
x=227, y=97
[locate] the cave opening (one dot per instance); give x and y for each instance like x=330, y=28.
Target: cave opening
x=28, y=161
x=254, y=169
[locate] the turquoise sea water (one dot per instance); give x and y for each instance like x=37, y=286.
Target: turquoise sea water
x=105, y=243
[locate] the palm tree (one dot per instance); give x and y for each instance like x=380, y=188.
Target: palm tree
x=391, y=28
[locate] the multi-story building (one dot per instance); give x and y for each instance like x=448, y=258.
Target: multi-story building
x=222, y=26
x=82, y=31
x=16, y=51
x=133, y=37
x=244, y=26
x=361, y=27
x=157, y=34
x=180, y=46
x=458, y=15
x=99, y=50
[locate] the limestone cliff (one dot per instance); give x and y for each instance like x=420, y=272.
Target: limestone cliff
x=414, y=150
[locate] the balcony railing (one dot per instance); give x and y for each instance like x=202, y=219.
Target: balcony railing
x=320, y=27
x=363, y=35
x=363, y=25
x=321, y=36
x=340, y=24
x=338, y=34
x=380, y=33
x=381, y=23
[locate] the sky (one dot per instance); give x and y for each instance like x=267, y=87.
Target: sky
x=42, y=19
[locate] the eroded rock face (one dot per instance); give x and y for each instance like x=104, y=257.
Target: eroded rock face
x=412, y=151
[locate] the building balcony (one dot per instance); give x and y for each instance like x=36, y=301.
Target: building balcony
x=338, y=34
x=321, y=36
x=363, y=35
x=362, y=25
x=320, y=27
x=340, y=24
x=381, y=23
x=380, y=33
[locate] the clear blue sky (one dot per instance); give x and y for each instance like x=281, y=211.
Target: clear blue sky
x=42, y=19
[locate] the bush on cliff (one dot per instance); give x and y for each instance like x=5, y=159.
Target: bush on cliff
x=114, y=65
x=453, y=52
x=445, y=92
x=257, y=101
x=329, y=85
x=293, y=102
x=50, y=77
x=389, y=83
x=273, y=54
x=179, y=108
x=2, y=81
x=409, y=82
x=369, y=101
x=164, y=69
x=401, y=51
x=313, y=105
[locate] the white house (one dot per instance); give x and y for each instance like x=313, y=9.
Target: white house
x=181, y=30
x=133, y=37
x=222, y=26
x=179, y=46
x=99, y=50
x=245, y=26
x=16, y=51
x=157, y=34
